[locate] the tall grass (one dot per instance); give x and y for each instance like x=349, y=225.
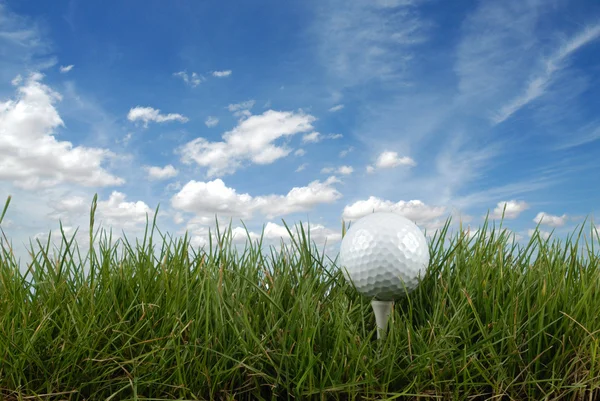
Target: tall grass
x=488, y=322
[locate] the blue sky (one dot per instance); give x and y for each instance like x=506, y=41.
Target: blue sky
x=302, y=111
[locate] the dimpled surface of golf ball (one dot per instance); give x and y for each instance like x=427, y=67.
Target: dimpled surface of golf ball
x=384, y=254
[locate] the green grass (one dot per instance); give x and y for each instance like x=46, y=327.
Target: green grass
x=164, y=321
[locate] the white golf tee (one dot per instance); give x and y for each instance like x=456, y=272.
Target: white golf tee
x=383, y=310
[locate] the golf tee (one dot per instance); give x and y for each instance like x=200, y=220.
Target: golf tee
x=383, y=310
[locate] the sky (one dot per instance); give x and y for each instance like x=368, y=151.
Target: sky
x=264, y=112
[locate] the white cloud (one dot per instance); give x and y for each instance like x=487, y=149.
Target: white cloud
x=24, y=44
x=488, y=64
x=17, y=80
x=30, y=155
x=248, y=104
x=275, y=232
x=65, y=69
x=390, y=159
x=543, y=234
x=301, y=167
x=511, y=235
x=161, y=173
x=191, y=80
x=211, y=121
x=336, y=108
x=221, y=74
x=241, y=110
x=148, y=114
x=550, y=220
x=513, y=209
x=344, y=170
x=206, y=199
x=125, y=140
x=315, y=137
x=116, y=212
x=539, y=83
x=345, y=152
x=174, y=186
x=367, y=40
x=178, y=218
x=251, y=140
x=300, y=152
x=370, y=169
x=414, y=210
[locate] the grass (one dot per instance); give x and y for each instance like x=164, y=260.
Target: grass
x=488, y=321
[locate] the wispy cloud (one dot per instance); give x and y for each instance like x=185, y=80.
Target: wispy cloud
x=65, y=69
x=488, y=63
x=363, y=39
x=315, y=137
x=343, y=170
x=242, y=109
x=345, y=152
x=22, y=45
x=540, y=82
x=211, y=121
x=589, y=133
x=149, y=114
x=221, y=74
x=192, y=80
x=336, y=108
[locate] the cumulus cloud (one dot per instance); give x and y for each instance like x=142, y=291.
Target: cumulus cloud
x=251, y=140
x=276, y=232
x=211, y=121
x=511, y=235
x=550, y=220
x=513, y=209
x=414, y=210
x=65, y=69
x=114, y=213
x=221, y=74
x=543, y=234
x=390, y=159
x=30, y=155
x=215, y=198
x=192, y=80
x=117, y=212
x=148, y=114
x=161, y=173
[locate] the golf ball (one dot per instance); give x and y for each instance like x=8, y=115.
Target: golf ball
x=383, y=254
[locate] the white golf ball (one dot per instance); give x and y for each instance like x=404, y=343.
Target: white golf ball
x=383, y=254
